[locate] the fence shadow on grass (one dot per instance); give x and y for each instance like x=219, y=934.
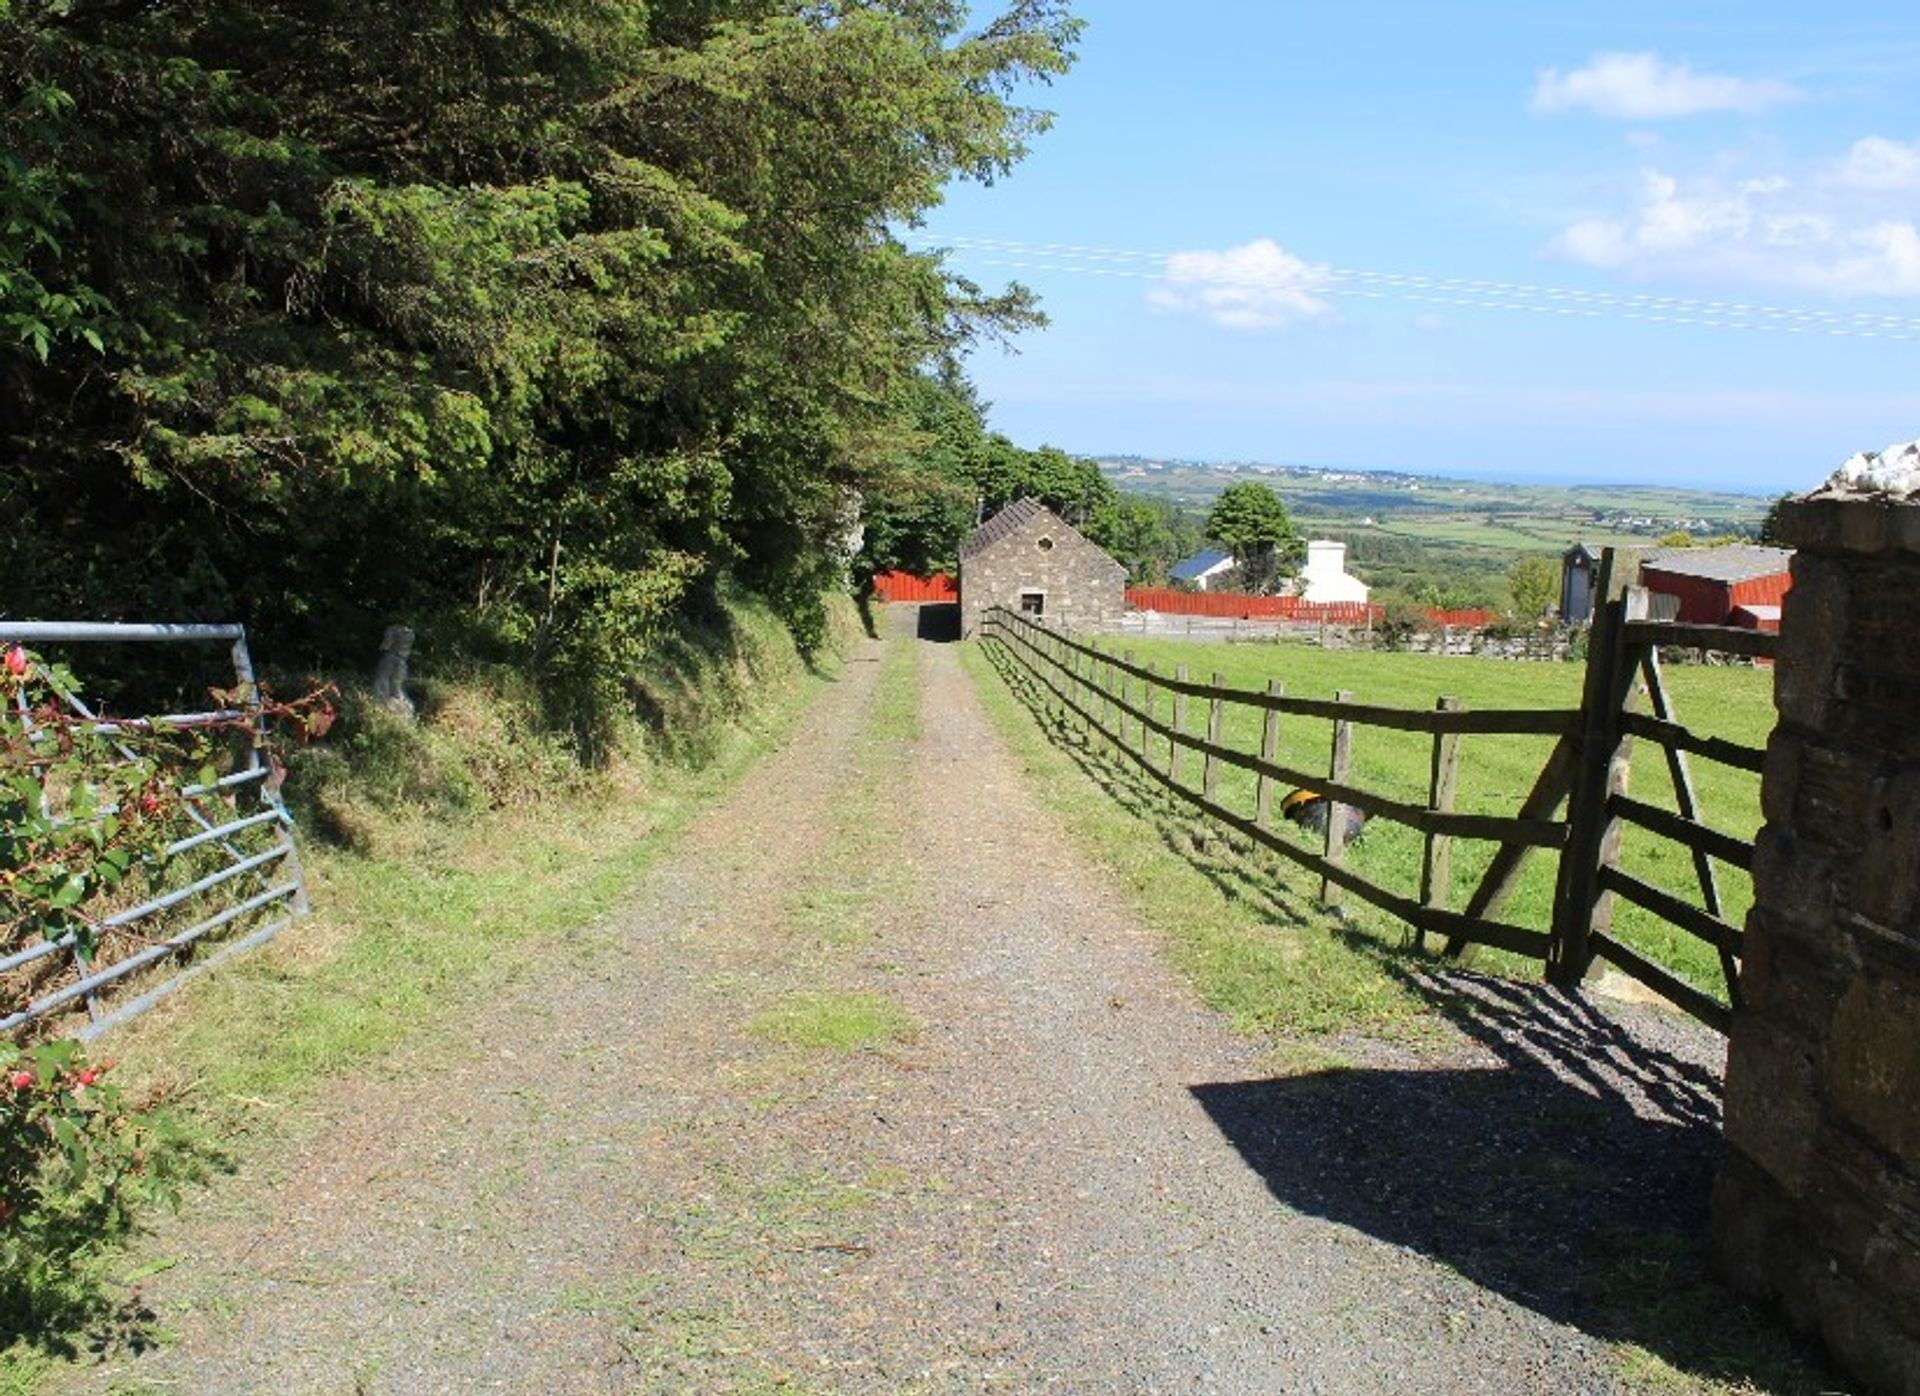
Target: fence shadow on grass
x=1240, y=876
x=1566, y=1165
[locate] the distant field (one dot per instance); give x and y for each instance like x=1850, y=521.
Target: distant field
x=1495, y=772
x=1475, y=519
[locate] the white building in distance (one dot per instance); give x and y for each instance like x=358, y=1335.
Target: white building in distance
x=1325, y=577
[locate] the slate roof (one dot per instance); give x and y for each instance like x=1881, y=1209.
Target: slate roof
x=1192, y=569
x=1004, y=523
x=1729, y=564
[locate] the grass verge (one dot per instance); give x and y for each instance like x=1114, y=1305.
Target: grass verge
x=1243, y=927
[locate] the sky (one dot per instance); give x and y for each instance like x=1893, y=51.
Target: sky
x=1631, y=241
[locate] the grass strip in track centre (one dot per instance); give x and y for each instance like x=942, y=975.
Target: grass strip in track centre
x=852, y=1021
x=1254, y=949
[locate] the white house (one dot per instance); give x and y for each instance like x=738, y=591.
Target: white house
x=1325, y=577
x=1204, y=570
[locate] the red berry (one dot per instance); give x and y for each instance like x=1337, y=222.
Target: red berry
x=17, y=662
x=89, y=1076
x=20, y=1080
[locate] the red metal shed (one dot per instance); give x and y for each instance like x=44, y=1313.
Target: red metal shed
x=1710, y=583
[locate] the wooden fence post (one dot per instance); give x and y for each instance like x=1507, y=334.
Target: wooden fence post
x=1216, y=711
x=1126, y=694
x=1148, y=688
x=1338, y=769
x=1593, y=836
x=1436, y=863
x=1269, y=750
x=1108, y=713
x=1179, y=725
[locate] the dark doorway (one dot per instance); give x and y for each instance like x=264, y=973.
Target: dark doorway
x=939, y=622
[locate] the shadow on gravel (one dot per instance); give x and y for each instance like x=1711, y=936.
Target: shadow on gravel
x=1573, y=1177
x=1570, y=1175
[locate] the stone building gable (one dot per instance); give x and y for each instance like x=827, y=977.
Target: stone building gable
x=1027, y=553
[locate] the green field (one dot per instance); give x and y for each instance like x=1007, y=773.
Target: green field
x=1495, y=771
x=1504, y=515
x=1434, y=541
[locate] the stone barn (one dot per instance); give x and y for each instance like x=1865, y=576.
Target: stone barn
x=1029, y=559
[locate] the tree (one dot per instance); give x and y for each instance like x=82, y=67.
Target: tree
x=1250, y=521
x=524, y=319
x=1770, y=525
x=1147, y=536
x=1535, y=583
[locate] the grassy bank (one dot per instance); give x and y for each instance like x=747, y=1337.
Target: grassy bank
x=446, y=858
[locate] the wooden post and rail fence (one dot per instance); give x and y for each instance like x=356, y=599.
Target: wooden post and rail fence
x=1577, y=809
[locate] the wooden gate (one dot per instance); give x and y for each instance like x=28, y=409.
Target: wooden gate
x=1624, y=670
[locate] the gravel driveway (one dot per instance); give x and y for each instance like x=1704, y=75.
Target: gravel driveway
x=1066, y=1176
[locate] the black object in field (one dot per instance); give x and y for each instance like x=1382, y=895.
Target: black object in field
x=1308, y=809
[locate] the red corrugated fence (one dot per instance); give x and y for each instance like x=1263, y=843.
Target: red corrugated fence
x=905, y=586
x=1233, y=605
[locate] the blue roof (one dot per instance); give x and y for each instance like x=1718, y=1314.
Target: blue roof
x=1192, y=569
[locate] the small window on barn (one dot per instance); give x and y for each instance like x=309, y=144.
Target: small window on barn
x=1033, y=603
x=1044, y=544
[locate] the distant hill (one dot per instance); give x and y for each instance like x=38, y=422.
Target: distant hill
x=1469, y=517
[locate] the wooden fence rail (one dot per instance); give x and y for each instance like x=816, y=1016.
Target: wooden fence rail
x=1081, y=679
x=1578, y=807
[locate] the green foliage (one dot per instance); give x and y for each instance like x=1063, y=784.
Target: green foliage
x=1535, y=584
x=1147, y=535
x=950, y=473
x=1769, y=532
x=78, y=1160
x=1250, y=521
x=520, y=321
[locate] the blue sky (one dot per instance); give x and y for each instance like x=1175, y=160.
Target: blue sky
x=1274, y=205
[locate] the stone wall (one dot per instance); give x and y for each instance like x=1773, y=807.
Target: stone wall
x=1817, y=1207
x=1084, y=588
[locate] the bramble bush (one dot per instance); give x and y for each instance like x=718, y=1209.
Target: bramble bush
x=78, y=1160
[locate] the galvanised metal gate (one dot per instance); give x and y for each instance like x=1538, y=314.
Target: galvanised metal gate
x=231, y=880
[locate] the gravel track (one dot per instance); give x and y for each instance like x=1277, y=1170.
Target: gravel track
x=1071, y=1177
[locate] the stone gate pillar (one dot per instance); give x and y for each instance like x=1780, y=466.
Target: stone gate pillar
x=1817, y=1208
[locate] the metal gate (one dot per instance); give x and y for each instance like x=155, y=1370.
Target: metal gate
x=230, y=881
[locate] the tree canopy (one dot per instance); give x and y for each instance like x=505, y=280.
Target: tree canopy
x=954, y=473
x=1250, y=520
x=521, y=318
x=1534, y=581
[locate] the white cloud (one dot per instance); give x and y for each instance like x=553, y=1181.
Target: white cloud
x=1643, y=87
x=1879, y=165
x=1765, y=231
x=1260, y=286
